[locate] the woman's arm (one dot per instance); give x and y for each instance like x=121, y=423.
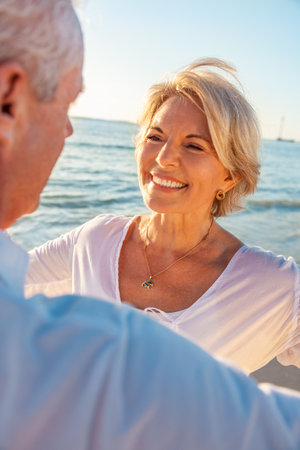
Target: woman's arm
x=50, y=266
x=291, y=354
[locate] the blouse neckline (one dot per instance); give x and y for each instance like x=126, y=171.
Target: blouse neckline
x=177, y=315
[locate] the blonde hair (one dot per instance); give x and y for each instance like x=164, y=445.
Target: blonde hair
x=232, y=123
x=44, y=36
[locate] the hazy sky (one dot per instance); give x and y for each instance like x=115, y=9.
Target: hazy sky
x=131, y=44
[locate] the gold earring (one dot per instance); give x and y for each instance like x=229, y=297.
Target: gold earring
x=220, y=195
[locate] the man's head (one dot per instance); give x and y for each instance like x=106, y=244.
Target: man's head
x=41, y=56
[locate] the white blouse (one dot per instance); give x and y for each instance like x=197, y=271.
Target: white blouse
x=249, y=315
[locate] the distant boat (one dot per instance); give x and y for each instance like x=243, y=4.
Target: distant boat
x=280, y=138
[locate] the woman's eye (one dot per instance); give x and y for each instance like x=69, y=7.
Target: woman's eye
x=195, y=147
x=153, y=138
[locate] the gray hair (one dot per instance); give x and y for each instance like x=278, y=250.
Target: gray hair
x=44, y=36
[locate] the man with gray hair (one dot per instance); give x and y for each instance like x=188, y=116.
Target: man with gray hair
x=41, y=55
x=81, y=373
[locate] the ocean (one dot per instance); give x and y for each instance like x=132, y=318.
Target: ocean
x=97, y=174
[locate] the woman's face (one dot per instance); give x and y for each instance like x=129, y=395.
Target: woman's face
x=179, y=171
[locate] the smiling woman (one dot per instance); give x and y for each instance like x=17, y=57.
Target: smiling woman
x=197, y=155
x=179, y=169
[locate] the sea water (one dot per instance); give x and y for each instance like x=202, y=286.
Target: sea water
x=97, y=174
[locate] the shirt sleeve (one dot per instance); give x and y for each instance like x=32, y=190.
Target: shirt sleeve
x=50, y=266
x=291, y=355
x=91, y=375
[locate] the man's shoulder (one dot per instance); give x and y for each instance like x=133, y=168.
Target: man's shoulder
x=13, y=264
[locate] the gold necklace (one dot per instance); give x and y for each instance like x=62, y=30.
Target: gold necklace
x=149, y=283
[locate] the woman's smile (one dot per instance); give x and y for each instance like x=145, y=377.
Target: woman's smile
x=168, y=184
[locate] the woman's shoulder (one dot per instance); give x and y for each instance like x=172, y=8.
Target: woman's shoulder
x=104, y=226
x=108, y=221
x=260, y=253
x=264, y=261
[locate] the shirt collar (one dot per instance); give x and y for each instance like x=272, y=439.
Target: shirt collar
x=13, y=264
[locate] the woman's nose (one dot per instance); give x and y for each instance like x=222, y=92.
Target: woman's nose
x=168, y=155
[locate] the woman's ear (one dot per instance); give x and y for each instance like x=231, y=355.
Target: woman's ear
x=12, y=77
x=231, y=181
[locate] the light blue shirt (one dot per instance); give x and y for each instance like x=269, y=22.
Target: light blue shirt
x=77, y=373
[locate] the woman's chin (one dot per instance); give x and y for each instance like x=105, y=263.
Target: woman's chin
x=162, y=207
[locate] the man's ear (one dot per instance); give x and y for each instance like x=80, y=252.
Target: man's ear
x=12, y=82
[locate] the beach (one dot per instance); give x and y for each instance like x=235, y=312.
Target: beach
x=97, y=174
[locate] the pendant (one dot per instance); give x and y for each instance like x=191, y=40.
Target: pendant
x=148, y=283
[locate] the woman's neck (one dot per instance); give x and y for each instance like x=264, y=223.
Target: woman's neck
x=174, y=232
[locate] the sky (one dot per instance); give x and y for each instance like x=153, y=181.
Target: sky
x=132, y=44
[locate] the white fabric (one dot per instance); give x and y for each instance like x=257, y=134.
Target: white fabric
x=77, y=373
x=249, y=315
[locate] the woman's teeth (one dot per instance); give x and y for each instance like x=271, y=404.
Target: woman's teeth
x=168, y=183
